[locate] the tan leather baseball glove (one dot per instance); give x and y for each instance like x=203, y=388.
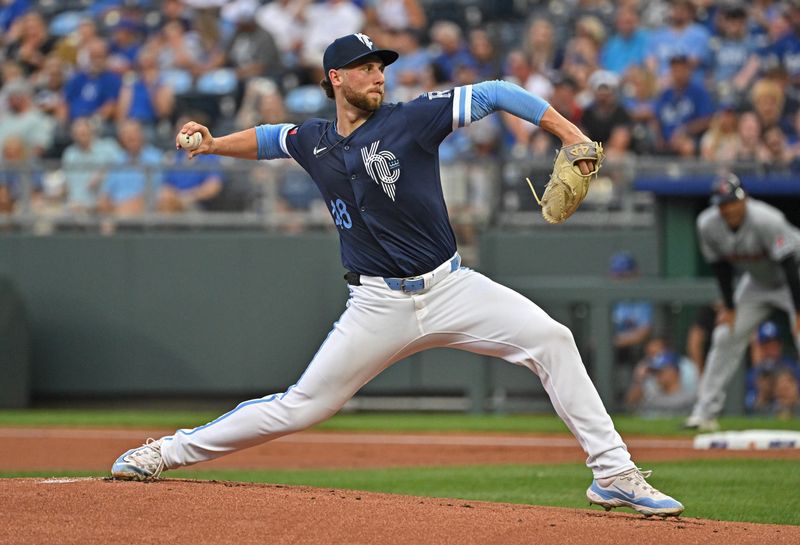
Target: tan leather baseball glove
x=568, y=186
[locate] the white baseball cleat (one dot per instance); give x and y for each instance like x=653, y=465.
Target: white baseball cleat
x=701, y=424
x=140, y=464
x=630, y=489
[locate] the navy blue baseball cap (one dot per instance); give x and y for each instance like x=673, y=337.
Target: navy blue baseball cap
x=727, y=189
x=768, y=331
x=350, y=48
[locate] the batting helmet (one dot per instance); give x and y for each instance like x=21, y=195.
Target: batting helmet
x=727, y=188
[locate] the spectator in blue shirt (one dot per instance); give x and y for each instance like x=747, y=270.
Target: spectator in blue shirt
x=194, y=185
x=772, y=381
x=135, y=174
x=731, y=50
x=681, y=36
x=191, y=186
x=404, y=81
x=453, y=51
x=85, y=163
x=11, y=12
x=124, y=45
x=683, y=110
x=631, y=322
x=639, y=99
x=93, y=92
x=628, y=46
x=629, y=316
x=483, y=51
x=146, y=96
x=771, y=47
x=786, y=50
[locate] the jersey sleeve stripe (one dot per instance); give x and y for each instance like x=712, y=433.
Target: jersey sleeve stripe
x=271, y=141
x=467, y=119
x=282, y=139
x=462, y=106
x=456, y=107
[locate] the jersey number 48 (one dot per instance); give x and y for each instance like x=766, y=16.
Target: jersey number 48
x=340, y=214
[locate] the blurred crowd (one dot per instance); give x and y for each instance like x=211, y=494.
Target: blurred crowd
x=101, y=87
x=656, y=378
x=665, y=383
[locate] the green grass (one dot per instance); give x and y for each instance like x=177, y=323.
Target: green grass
x=734, y=490
x=383, y=422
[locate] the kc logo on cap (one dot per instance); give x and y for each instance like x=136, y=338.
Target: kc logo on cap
x=364, y=39
x=351, y=48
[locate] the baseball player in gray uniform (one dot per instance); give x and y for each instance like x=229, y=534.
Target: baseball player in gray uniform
x=749, y=240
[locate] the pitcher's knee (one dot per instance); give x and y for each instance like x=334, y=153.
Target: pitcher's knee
x=558, y=337
x=307, y=415
x=549, y=341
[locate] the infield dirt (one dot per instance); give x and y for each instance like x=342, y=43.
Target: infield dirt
x=99, y=511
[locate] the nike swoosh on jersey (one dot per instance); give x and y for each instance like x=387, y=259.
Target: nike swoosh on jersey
x=320, y=150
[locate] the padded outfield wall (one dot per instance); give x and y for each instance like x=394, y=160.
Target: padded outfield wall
x=239, y=314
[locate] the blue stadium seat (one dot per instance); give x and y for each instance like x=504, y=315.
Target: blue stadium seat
x=179, y=80
x=306, y=99
x=218, y=82
x=66, y=22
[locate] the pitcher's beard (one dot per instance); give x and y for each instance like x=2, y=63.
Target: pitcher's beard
x=362, y=101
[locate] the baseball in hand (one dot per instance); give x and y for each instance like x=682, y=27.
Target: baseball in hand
x=190, y=141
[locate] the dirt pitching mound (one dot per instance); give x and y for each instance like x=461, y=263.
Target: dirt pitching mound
x=89, y=511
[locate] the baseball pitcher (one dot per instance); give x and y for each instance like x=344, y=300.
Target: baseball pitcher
x=749, y=239
x=377, y=168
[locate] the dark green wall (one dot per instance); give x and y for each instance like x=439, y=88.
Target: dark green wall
x=556, y=251
x=15, y=365
x=240, y=314
x=174, y=313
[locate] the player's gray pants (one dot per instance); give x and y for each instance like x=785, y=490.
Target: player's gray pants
x=753, y=305
x=380, y=326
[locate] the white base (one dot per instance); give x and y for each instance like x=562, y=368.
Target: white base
x=748, y=440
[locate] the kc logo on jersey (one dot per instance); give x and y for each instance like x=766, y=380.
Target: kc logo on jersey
x=382, y=166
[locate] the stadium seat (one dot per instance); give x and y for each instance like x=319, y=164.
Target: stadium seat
x=218, y=82
x=66, y=22
x=179, y=80
x=306, y=99
x=50, y=8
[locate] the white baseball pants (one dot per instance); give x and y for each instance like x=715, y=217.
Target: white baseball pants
x=380, y=326
x=753, y=304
